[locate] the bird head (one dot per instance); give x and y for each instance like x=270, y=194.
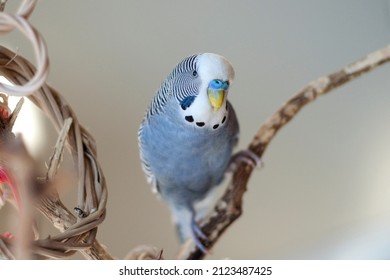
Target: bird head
x=214, y=75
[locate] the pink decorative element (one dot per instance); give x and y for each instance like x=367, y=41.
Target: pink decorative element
x=6, y=179
x=7, y=235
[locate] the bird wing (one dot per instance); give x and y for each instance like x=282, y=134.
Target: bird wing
x=151, y=179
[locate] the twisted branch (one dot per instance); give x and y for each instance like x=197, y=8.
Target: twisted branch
x=78, y=234
x=91, y=184
x=8, y=23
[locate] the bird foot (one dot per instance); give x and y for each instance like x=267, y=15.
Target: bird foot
x=198, y=234
x=246, y=156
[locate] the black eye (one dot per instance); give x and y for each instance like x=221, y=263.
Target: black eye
x=195, y=74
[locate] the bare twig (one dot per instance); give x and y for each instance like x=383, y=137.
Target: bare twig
x=229, y=207
x=56, y=158
x=145, y=252
x=15, y=113
x=57, y=213
x=8, y=23
x=2, y=5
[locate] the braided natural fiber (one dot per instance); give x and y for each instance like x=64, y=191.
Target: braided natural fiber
x=77, y=233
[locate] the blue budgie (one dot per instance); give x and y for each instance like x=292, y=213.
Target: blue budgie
x=187, y=137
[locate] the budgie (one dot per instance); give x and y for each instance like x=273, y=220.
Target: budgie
x=187, y=136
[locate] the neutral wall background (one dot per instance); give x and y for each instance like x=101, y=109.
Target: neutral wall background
x=324, y=192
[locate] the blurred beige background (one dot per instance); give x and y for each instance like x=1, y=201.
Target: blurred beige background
x=325, y=190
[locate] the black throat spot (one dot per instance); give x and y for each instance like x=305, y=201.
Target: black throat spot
x=189, y=118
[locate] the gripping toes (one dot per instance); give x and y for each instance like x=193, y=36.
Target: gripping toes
x=246, y=156
x=198, y=234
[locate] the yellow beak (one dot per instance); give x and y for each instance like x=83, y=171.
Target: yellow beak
x=216, y=97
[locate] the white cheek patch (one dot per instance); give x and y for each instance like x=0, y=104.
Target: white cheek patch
x=203, y=116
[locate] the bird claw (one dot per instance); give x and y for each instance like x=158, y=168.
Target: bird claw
x=246, y=156
x=197, y=233
x=197, y=230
